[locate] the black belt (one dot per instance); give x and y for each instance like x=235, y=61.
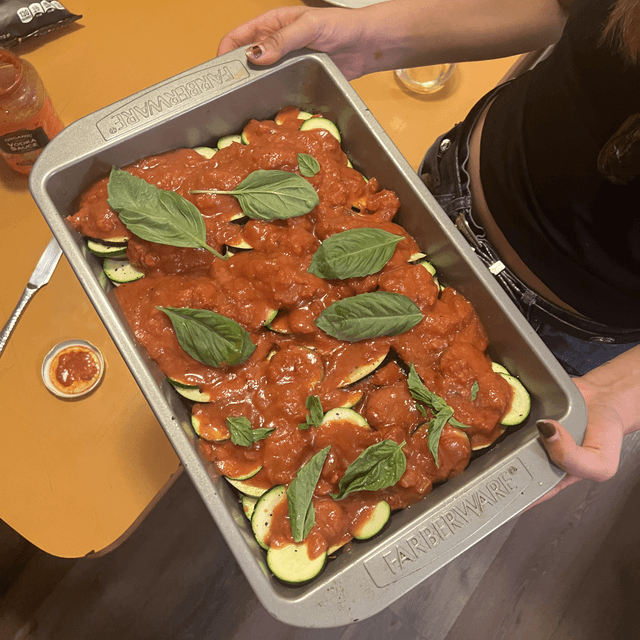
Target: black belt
x=535, y=308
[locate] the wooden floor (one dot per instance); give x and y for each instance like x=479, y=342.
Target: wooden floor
x=567, y=569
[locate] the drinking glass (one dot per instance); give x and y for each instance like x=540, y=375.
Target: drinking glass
x=426, y=79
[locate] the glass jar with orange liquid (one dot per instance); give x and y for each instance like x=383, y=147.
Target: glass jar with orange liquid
x=27, y=118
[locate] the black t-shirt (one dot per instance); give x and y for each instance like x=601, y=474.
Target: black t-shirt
x=578, y=232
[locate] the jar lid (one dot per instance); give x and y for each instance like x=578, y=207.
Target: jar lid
x=72, y=369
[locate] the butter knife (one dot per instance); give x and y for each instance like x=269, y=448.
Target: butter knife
x=40, y=276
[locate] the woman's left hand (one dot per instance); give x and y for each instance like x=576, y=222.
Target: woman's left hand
x=612, y=396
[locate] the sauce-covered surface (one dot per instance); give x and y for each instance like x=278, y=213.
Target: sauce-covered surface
x=265, y=287
x=72, y=369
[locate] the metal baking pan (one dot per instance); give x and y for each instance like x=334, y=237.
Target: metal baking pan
x=219, y=97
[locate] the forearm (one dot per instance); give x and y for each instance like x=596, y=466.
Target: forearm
x=403, y=33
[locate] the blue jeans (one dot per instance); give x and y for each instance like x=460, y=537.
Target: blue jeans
x=578, y=343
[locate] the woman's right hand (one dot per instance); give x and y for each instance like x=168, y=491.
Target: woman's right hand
x=279, y=31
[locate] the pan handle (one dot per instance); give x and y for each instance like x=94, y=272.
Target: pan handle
x=147, y=108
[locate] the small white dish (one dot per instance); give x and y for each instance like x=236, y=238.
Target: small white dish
x=72, y=369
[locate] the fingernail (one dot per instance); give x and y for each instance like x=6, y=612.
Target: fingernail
x=255, y=51
x=547, y=429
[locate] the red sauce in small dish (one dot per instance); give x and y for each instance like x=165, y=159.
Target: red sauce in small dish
x=74, y=370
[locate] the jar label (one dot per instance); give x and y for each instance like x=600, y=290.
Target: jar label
x=23, y=141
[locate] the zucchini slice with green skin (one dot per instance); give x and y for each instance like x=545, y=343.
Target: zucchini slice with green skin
x=190, y=391
x=352, y=399
x=520, y=402
x=238, y=242
x=247, y=487
x=361, y=371
x=341, y=414
x=498, y=368
x=106, y=250
x=115, y=241
x=321, y=123
x=227, y=141
x=249, y=469
x=292, y=563
x=244, y=136
x=301, y=115
x=263, y=513
x=374, y=523
x=249, y=505
x=121, y=271
x=206, y=152
x=209, y=432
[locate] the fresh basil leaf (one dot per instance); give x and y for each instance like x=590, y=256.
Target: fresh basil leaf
x=458, y=425
x=241, y=432
x=354, y=253
x=209, y=337
x=422, y=394
x=435, y=431
x=315, y=415
x=272, y=195
x=156, y=215
x=240, y=429
x=442, y=412
x=474, y=390
x=261, y=434
x=308, y=165
x=302, y=513
x=379, y=466
x=369, y=315
x=315, y=410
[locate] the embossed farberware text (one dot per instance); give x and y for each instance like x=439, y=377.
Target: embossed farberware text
x=160, y=101
x=449, y=526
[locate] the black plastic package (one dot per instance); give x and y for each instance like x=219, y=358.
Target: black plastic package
x=20, y=20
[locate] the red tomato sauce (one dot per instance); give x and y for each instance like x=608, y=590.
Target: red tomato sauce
x=294, y=359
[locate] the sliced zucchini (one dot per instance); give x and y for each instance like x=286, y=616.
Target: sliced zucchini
x=106, y=250
x=293, y=564
x=341, y=414
x=227, y=141
x=271, y=316
x=238, y=242
x=206, y=152
x=520, y=402
x=304, y=115
x=352, y=398
x=331, y=550
x=247, y=487
x=428, y=266
x=190, y=391
x=244, y=136
x=263, y=513
x=498, y=368
x=114, y=241
x=321, y=123
x=248, y=505
x=362, y=370
x=247, y=470
x=209, y=432
x=280, y=324
x=121, y=271
x=374, y=523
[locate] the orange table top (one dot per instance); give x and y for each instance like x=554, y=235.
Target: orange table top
x=75, y=476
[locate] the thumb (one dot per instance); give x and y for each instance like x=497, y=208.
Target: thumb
x=294, y=36
x=598, y=457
